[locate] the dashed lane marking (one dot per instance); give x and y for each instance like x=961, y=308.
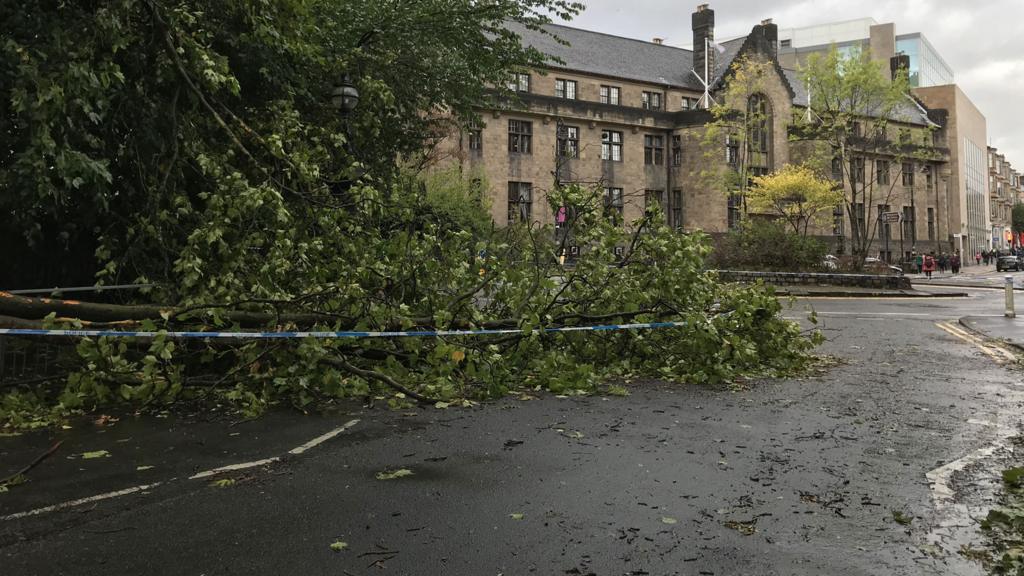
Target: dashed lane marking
x=197, y=476
x=80, y=501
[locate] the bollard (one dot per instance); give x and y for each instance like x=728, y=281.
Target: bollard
x=1010, y=313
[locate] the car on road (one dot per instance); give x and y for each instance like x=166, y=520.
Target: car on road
x=877, y=266
x=1008, y=263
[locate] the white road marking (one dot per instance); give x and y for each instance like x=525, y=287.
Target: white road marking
x=323, y=438
x=233, y=468
x=200, y=475
x=942, y=494
x=80, y=501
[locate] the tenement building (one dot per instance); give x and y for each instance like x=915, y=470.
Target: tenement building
x=1004, y=182
x=629, y=117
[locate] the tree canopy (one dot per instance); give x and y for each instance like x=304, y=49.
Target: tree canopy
x=796, y=194
x=192, y=144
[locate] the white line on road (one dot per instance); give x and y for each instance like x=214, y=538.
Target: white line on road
x=942, y=494
x=323, y=438
x=80, y=501
x=233, y=468
x=996, y=352
x=204, y=474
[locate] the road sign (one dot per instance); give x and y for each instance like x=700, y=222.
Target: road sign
x=890, y=217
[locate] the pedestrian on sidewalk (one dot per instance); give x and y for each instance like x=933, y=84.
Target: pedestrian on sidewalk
x=943, y=262
x=929, y=264
x=918, y=263
x=977, y=258
x=954, y=263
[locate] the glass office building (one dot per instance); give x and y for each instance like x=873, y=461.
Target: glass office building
x=927, y=68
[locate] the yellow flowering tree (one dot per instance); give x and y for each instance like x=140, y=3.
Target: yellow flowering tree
x=796, y=194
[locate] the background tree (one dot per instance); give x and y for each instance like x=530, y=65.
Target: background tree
x=853, y=107
x=1017, y=219
x=735, y=125
x=796, y=194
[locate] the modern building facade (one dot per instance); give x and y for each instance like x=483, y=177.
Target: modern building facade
x=625, y=116
x=926, y=65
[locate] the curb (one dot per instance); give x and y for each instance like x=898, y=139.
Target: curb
x=894, y=294
x=963, y=322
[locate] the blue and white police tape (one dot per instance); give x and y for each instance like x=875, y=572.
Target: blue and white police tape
x=329, y=335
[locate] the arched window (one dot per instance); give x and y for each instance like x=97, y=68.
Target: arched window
x=759, y=139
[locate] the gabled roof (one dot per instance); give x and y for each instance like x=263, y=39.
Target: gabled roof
x=631, y=59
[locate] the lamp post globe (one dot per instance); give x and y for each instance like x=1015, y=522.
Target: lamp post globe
x=345, y=97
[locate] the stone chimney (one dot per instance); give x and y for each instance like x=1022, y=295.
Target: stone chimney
x=703, y=30
x=899, y=65
x=767, y=34
x=658, y=41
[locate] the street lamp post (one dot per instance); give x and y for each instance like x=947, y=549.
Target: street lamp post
x=345, y=96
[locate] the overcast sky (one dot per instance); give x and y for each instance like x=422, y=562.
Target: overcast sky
x=981, y=40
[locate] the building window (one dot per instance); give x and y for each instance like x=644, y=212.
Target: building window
x=928, y=180
x=856, y=170
x=859, y=219
x=519, y=82
x=856, y=129
x=734, y=203
x=838, y=221
x=884, y=228
x=677, y=150
x=654, y=150
x=610, y=95
x=931, y=223
x=677, y=209
x=611, y=145
x=732, y=152
x=759, y=115
x=520, y=201
x=653, y=198
x=651, y=100
x=689, y=103
x=613, y=206
x=882, y=171
x=906, y=138
x=908, y=173
x=476, y=141
x=837, y=170
x=520, y=136
x=565, y=89
x=908, y=224
x=569, y=141
x=787, y=43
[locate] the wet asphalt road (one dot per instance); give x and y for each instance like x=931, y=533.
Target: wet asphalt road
x=787, y=477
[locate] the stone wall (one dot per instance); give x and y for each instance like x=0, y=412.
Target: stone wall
x=809, y=279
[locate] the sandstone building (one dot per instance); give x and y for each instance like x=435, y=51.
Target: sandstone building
x=628, y=116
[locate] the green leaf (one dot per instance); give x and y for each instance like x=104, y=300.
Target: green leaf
x=516, y=516
x=223, y=483
x=339, y=545
x=668, y=520
x=96, y=454
x=400, y=473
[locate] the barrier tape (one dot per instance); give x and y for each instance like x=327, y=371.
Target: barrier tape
x=329, y=335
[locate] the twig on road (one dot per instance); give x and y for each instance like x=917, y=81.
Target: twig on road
x=39, y=460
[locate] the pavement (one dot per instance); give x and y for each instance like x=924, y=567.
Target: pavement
x=1009, y=330
x=911, y=420
x=983, y=276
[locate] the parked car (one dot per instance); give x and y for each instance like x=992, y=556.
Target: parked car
x=1009, y=263
x=876, y=266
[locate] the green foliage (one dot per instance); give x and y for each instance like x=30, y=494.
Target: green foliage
x=770, y=246
x=796, y=195
x=197, y=143
x=1004, y=528
x=1017, y=218
x=855, y=114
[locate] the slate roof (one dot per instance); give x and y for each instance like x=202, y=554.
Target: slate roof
x=631, y=59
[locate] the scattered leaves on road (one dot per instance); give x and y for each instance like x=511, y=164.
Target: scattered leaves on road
x=901, y=518
x=143, y=468
x=95, y=454
x=339, y=546
x=667, y=520
x=223, y=483
x=747, y=528
x=516, y=516
x=401, y=473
